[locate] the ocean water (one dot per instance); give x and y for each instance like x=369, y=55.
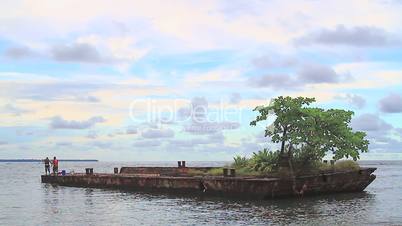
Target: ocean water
x=24, y=200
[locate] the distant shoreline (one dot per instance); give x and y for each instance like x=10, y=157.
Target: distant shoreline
x=40, y=160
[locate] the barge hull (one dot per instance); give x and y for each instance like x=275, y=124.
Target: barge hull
x=243, y=187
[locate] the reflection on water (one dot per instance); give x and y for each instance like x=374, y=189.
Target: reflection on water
x=88, y=198
x=25, y=201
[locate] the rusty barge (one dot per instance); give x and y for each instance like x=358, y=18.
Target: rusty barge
x=179, y=180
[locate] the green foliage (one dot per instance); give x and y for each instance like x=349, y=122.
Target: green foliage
x=306, y=157
x=261, y=163
x=264, y=161
x=243, y=171
x=346, y=165
x=215, y=172
x=194, y=172
x=288, y=117
x=267, y=166
x=329, y=130
x=218, y=171
x=342, y=165
x=246, y=171
x=308, y=133
x=240, y=162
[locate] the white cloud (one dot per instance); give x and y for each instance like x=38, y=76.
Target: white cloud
x=196, y=25
x=157, y=133
x=147, y=143
x=360, y=36
x=58, y=122
x=13, y=110
x=391, y=103
x=354, y=99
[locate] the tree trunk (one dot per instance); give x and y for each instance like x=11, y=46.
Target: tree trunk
x=283, y=157
x=283, y=140
x=290, y=151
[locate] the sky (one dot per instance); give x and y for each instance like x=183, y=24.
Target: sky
x=178, y=80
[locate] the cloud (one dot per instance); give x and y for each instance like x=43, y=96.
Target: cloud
x=64, y=144
x=3, y=142
x=86, y=49
x=370, y=123
x=200, y=123
x=383, y=136
x=20, y=52
x=185, y=143
x=131, y=130
x=274, y=81
x=359, y=36
x=252, y=147
x=30, y=131
x=89, y=99
x=11, y=109
x=197, y=112
x=261, y=138
x=269, y=62
x=183, y=113
x=92, y=134
x=77, y=52
x=216, y=77
x=55, y=90
x=117, y=132
x=215, y=138
x=385, y=145
x=316, y=73
x=199, y=109
x=102, y=144
x=168, y=120
x=235, y=98
x=238, y=8
x=354, y=99
x=58, y=122
x=157, y=133
x=147, y=143
x=210, y=127
x=307, y=74
x=391, y=103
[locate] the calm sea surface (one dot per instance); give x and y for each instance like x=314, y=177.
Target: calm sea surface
x=25, y=201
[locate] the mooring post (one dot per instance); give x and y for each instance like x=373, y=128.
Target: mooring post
x=225, y=172
x=232, y=172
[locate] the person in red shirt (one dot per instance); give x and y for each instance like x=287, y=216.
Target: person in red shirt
x=55, y=166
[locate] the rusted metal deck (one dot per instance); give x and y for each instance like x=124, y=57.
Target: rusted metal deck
x=172, y=179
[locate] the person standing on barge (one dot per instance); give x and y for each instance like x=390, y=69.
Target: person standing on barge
x=55, y=163
x=47, y=165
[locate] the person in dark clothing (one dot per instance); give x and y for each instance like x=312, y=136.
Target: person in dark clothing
x=55, y=166
x=47, y=165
